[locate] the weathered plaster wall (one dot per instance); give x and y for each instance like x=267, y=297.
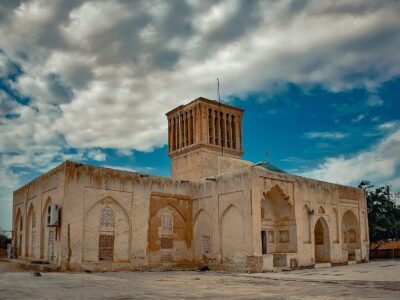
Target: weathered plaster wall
x=87, y=187
x=30, y=204
x=312, y=200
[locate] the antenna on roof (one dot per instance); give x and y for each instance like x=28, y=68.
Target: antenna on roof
x=219, y=103
x=266, y=155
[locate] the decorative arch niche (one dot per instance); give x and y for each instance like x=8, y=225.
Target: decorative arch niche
x=19, y=231
x=321, y=241
x=107, y=232
x=275, y=206
x=278, y=225
x=350, y=231
x=47, y=234
x=202, y=235
x=231, y=233
x=30, y=232
x=169, y=235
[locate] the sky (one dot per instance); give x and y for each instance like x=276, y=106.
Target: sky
x=90, y=81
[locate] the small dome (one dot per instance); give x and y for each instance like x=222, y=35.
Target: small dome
x=273, y=168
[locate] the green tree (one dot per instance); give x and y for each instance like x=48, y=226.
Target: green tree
x=4, y=239
x=383, y=212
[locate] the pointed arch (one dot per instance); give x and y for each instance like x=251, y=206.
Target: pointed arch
x=173, y=207
x=350, y=231
x=321, y=241
x=108, y=241
x=201, y=210
x=202, y=234
x=30, y=232
x=18, y=231
x=231, y=232
x=108, y=200
x=44, y=230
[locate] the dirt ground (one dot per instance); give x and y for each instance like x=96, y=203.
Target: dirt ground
x=376, y=280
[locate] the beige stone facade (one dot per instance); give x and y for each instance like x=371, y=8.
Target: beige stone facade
x=216, y=210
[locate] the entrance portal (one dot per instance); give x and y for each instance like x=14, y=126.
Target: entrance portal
x=321, y=241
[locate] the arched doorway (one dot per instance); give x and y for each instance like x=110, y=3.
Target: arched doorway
x=18, y=231
x=321, y=241
x=350, y=234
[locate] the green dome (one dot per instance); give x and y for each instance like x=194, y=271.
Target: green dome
x=273, y=168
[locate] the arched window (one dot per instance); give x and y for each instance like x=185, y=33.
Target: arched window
x=186, y=129
x=107, y=217
x=210, y=127
x=222, y=128
x=182, y=131
x=106, y=237
x=167, y=223
x=216, y=127
x=33, y=220
x=173, y=134
x=191, y=128
x=233, y=133
x=228, y=132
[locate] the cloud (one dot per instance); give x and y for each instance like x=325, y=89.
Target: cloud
x=377, y=164
x=375, y=119
x=358, y=118
x=96, y=155
x=375, y=101
x=329, y=135
x=103, y=73
x=388, y=125
x=126, y=63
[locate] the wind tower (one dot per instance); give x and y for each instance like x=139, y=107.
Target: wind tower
x=201, y=132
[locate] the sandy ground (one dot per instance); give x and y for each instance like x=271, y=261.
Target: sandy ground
x=376, y=280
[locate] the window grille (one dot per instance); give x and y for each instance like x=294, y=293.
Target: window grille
x=167, y=222
x=167, y=248
x=106, y=247
x=107, y=217
x=50, y=247
x=166, y=256
x=206, y=244
x=167, y=243
x=33, y=220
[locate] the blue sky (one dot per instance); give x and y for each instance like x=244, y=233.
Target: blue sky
x=91, y=81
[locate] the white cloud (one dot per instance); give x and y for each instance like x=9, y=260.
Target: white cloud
x=138, y=60
x=330, y=135
x=358, y=118
x=375, y=101
x=377, y=164
x=388, y=125
x=97, y=155
x=103, y=73
x=375, y=119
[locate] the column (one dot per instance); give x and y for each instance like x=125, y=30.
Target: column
x=191, y=127
x=223, y=130
x=216, y=127
x=239, y=134
x=228, y=132
x=182, y=131
x=234, y=139
x=169, y=136
x=187, y=129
